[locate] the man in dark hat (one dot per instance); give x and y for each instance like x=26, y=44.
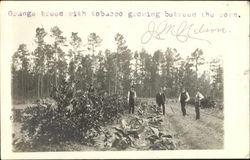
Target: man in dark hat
x=131, y=100
x=198, y=98
x=160, y=100
x=183, y=98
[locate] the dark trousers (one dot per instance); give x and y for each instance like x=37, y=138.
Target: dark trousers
x=163, y=107
x=131, y=107
x=183, y=109
x=197, y=110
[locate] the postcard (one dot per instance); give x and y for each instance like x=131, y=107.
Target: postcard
x=124, y=79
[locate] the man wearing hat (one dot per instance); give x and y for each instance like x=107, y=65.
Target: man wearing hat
x=131, y=100
x=160, y=100
x=183, y=98
x=198, y=98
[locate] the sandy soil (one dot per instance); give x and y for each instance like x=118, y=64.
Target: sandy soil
x=206, y=133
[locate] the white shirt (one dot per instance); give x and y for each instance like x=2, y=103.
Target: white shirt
x=199, y=96
x=129, y=94
x=188, y=97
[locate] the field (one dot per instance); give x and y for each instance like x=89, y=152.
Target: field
x=180, y=133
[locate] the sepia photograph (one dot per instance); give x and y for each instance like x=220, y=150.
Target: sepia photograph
x=119, y=76
x=67, y=94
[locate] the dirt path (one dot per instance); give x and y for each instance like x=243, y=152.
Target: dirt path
x=206, y=133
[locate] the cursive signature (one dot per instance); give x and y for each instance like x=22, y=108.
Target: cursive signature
x=182, y=32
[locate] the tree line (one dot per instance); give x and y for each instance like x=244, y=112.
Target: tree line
x=35, y=73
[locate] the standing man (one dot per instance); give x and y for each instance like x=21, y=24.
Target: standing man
x=160, y=100
x=131, y=100
x=183, y=98
x=198, y=98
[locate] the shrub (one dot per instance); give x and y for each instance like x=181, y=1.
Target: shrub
x=160, y=140
x=206, y=102
x=72, y=117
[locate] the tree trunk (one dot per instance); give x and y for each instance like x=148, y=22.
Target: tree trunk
x=22, y=92
x=56, y=78
x=109, y=85
x=196, y=70
x=27, y=83
x=115, y=80
x=74, y=73
x=41, y=86
x=38, y=86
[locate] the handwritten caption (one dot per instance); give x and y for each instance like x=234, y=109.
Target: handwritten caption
x=183, y=31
